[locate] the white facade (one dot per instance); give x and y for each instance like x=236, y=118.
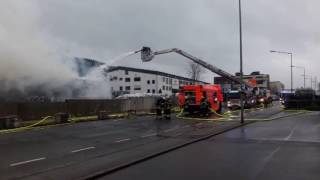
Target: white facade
x=125, y=80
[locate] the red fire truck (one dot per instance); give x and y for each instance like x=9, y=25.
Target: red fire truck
x=192, y=96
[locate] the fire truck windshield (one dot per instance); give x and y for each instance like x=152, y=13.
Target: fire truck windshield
x=190, y=96
x=234, y=95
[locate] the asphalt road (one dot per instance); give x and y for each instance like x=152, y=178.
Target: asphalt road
x=282, y=149
x=74, y=151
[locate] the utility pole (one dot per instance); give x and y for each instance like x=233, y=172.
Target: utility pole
x=304, y=75
x=241, y=70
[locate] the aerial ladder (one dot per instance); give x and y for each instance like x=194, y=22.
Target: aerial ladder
x=147, y=55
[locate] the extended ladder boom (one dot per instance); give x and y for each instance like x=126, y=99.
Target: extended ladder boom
x=201, y=62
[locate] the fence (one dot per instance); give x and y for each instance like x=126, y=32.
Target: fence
x=77, y=107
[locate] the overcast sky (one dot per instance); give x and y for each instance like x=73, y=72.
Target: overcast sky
x=208, y=29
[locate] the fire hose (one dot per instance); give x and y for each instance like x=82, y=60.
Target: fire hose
x=25, y=127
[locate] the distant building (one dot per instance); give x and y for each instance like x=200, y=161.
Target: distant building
x=127, y=80
x=276, y=87
x=261, y=81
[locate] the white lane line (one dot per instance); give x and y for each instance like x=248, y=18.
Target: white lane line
x=291, y=133
x=148, y=135
x=122, y=140
x=172, y=129
x=26, y=162
x=83, y=149
x=271, y=154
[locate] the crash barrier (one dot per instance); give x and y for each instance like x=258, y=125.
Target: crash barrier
x=78, y=107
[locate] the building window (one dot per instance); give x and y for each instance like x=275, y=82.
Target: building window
x=127, y=79
x=163, y=88
x=153, y=91
x=160, y=91
x=120, y=79
x=121, y=88
x=126, y=72
x=148, y=91
x=153, y=81
x=163, y=79
x=128, y=88
x=167, y=88
x=148, y=82
x=260, y=81
x=170, y=81
x=167, y=80
x=137, y=79
x=137, y=88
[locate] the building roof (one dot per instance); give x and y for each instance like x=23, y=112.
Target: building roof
x=116, y=68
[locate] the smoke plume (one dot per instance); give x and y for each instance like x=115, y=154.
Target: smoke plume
x=29, y=64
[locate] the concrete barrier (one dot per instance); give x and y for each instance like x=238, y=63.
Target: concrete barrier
x=9, y=122
x=61, y=118
x=102, y=115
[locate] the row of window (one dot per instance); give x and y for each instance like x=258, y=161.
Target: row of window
x=136, y=88
x=153, y=91
x=135, y=79
x=128, y=88
x=138, y=79
x=167, y=80
x=153, y=82
x=168, y=88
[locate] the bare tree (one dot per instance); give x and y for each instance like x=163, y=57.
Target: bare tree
x=194, y=71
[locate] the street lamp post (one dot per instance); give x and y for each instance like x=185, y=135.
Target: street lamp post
x=291, y=66
x=241, y=70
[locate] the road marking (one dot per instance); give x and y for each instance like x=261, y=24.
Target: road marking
x=122, y=140
x=172, y=129
x=83, y=149
x=271, y=154
x=149, y=135
x=26, y=162
x=291, y=133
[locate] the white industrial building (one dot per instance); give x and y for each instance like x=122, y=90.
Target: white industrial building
x=127, y=80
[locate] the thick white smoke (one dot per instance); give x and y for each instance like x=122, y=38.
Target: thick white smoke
x=31, y=64
x=26, y=58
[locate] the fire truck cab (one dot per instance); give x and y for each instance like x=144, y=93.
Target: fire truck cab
x=191, y=97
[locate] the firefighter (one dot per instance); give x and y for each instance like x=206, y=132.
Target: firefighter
x=159, y=107
x=204, y=105
x=187, y=102
x=167, y=107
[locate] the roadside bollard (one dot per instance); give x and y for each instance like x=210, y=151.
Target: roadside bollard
x=9, y=122
x=61, y=118
x=102, y=115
